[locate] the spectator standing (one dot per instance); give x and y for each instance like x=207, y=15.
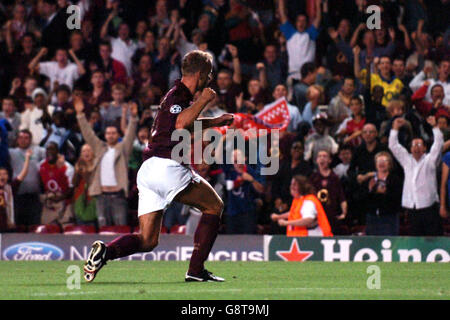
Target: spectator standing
x=308, y=73
x=8, y=192
x=320, y=139
x=123, y=47
x=110, y=175
x=83, y=204
x=60, y=71
x=27, y=205
x=420, y=196
x=9, y=114
x=38, y=117
x=329, y=192
x=56, y=176
x=384, y=198
x=301, y=40
x=242, y=181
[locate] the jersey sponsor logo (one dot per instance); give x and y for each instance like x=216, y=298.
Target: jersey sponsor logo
x=175, y=109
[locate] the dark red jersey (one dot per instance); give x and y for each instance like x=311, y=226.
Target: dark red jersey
x=176, y=100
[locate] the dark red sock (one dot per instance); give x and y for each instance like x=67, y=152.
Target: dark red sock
x=123, y=246
x=204, y=238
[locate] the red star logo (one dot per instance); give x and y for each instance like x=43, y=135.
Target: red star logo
x=294, y=254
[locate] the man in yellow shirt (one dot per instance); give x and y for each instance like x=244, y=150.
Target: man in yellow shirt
x=383, y=77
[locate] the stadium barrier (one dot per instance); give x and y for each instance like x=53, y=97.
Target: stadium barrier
x=28, y=247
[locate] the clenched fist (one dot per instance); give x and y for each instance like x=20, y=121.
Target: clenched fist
x=208, y=94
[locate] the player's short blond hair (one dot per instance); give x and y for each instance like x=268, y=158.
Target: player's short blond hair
x=196, y=61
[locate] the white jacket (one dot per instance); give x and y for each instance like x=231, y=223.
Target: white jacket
x=420, y=185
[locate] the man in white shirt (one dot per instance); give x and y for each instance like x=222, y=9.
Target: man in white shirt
x=33, y=119
x=109, y=184
x=123, y=48
x=301, y=40
x=60, y=71
x=420, y=194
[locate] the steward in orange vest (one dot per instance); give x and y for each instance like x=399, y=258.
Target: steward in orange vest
x=323, y=227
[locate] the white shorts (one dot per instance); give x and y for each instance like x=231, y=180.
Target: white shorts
x=159, y=180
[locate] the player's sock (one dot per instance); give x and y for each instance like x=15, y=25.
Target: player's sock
x=204, y=237
x=123, y=246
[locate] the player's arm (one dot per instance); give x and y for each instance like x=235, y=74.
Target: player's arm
x=223, y=120
x=186, y=118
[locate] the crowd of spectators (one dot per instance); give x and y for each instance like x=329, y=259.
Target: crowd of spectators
x=369, y=108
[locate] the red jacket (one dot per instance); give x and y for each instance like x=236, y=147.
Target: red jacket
x=425, y=107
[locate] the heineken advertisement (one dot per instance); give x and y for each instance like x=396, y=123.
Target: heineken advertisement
x=29, y=246
x=367, y=248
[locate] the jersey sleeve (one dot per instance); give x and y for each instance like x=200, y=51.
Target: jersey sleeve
x=308, y=210
x=313, y=32
x=446, y=159
x=288, y=30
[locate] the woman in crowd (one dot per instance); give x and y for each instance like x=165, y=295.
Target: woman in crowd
x=84, y=205
x=383, y=198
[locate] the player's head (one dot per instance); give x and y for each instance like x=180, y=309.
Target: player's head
x=197, y=64
x=112, y=135
x=51, y=152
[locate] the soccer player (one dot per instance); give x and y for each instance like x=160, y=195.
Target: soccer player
x=161, y=179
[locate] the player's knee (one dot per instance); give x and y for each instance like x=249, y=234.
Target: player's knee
x=149, y=244
x=217, y=208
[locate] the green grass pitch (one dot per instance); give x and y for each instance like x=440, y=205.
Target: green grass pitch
x=164, y=280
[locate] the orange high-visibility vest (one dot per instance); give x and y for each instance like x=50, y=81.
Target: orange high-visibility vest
x=295, y=214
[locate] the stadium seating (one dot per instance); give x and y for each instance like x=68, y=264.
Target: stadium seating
x=79, y=229
x=177, y=229
x=45, y=228
x=114, y=230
